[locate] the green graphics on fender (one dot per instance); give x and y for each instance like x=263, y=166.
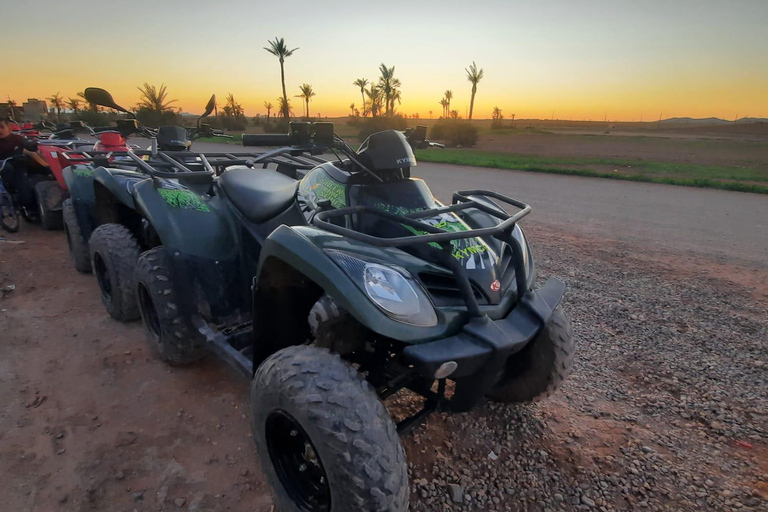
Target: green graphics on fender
x=462, y=248
x=184, y=199
x=318, y=185
x=83, y=171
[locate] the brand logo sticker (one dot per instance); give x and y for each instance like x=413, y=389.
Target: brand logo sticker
x=495, y=286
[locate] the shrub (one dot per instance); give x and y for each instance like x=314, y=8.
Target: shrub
x=454, y=132
x=371, y=125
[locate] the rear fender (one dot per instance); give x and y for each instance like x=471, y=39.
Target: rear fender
x=303, y=249
x=186, y=221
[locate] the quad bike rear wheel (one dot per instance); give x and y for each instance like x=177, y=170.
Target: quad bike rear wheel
x=48, y=195
x=171, y=335
x=540, y=368
x=78, y=248
x=325, y=441
x=114, y=253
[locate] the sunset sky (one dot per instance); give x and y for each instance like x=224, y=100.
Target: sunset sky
x=581, y=59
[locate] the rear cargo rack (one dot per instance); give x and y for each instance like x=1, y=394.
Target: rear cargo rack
x=462, y=200
x=174, y=164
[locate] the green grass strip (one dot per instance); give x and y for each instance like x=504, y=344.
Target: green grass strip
x=702, y=176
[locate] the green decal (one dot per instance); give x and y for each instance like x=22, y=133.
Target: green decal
x=184, y=199
x=461, y=248
x=83, y=172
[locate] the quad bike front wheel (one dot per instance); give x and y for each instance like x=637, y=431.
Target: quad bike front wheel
x=171, y=335
x=48, y=195
x=325, y=441
x=78, y=248
x=114, y=253
x=540, y=368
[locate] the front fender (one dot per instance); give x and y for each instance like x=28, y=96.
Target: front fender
x=187, y=222
x=303, y=248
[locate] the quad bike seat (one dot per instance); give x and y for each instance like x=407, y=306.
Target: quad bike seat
x=258, y=194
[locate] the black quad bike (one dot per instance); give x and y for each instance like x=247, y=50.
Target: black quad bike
x=332, y=293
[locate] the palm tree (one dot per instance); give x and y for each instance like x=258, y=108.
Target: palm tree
x=388, y=84
x=74, y=105
x=57, y=102
x=153, y=99
x=269, y=107
x=448, y=98
x=474, y=76
x=306, y=95
x=284, y=105
x=281, y=51
x=361, y=83
x=444, y=104
x=374, y=94
x=430, y=114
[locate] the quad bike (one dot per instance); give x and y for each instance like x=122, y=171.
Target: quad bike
x=112, y=150
x=332, y=293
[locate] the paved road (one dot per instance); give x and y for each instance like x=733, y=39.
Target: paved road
x=666, y=217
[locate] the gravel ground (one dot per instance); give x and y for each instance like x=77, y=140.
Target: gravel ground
x=666, y=409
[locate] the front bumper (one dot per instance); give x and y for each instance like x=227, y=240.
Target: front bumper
x=481, y=349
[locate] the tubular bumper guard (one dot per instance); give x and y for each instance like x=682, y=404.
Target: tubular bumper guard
x=484, y=344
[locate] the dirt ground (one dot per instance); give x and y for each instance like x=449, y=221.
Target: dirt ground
x=90, y=420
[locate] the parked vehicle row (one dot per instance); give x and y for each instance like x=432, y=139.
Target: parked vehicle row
x=330, y=284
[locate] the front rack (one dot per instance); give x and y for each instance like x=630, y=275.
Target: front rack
x=462, y=200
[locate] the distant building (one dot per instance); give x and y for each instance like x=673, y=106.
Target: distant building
x=34, y=110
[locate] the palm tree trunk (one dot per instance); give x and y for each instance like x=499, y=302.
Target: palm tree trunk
x=472, y=101
x=307, y=108
x=285, y=96
x=362, y=93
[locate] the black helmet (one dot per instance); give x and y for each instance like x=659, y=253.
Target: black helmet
x=387, y=150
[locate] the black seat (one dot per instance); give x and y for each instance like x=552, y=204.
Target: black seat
x=259, y=194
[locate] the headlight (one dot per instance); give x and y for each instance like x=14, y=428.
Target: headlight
x=392, y=289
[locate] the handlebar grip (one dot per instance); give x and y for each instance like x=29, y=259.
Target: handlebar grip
x=266, y=139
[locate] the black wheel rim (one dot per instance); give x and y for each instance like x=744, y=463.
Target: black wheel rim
x=102, y=276
x=297, y=462
x=149, y=313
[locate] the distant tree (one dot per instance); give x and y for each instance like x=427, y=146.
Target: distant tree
x=57, y=103
x=497, y=117
x=284, y=105
x=474, y=76
x=430, y=114
x=279, y=49
x=74, y=105
x=374, y=99
x=454, y=114
x=444, y=104
x=352, y=108
x=448, y=97
x=234, y=115
x=153, y=99
x=306, y=95
x=269, y=107
x=389, y=85
x=361, y=83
